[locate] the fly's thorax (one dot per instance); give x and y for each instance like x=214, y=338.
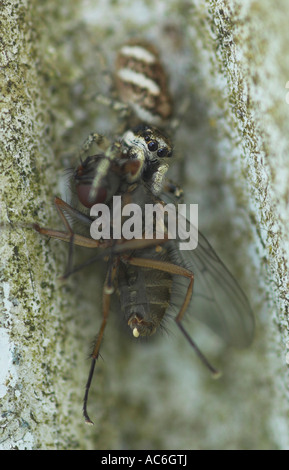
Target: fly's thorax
x=142, y=83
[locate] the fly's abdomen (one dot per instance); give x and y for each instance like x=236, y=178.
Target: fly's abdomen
x=144, y=297
x=158, y=286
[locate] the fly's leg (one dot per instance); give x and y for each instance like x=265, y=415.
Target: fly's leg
x=107, y=291
x=59, y=203
x=180, y=271
x=63, y=206
x=109, y=247
x=78, y=240
x=68, y=236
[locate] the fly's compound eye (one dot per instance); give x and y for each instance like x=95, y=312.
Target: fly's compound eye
x=83, y=179
x=83, y=194
x=153, y=145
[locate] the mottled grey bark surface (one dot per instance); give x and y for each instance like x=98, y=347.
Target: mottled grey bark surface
x=230, y=59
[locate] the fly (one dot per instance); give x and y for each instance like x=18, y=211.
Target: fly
x=151, y=277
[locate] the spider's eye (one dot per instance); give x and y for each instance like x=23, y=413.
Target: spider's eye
x=153, y=146
x=147, y=137
x=162, y=152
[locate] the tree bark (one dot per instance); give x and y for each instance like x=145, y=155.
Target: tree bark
x=229, y=58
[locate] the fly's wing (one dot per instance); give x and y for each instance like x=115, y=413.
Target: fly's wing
x=218, y=300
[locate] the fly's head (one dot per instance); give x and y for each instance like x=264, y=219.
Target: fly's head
x=88, y=192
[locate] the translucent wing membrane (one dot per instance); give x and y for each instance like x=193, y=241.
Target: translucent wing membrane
x=218, y=300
